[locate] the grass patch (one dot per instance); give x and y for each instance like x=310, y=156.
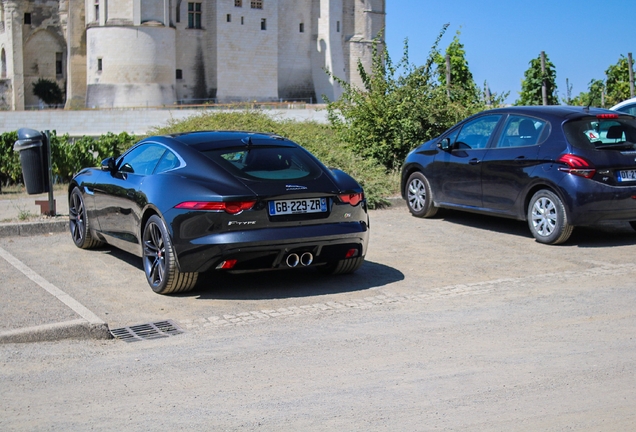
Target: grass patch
x=318, y=138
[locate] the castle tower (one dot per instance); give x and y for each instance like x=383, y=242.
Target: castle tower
x=130, y=51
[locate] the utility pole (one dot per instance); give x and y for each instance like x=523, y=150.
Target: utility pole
x=448, y=75
x=544, y=88
x=630, y=63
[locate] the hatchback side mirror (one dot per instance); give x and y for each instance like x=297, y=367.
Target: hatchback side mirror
x=444, y=144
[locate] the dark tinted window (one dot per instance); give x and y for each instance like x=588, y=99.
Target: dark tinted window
x=591, y=133
x=521, y=131
x=476, y=133
x=271, y=163
x=167, y=162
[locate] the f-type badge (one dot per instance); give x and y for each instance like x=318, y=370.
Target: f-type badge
x=295, y=187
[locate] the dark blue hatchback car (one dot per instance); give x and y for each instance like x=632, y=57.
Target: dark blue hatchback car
x=556, y=167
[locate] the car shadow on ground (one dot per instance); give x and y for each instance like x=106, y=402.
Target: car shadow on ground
x=276, y=284
x=291, y=283
x=603, y=234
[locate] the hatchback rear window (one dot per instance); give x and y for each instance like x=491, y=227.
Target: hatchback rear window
x=267, y=163
x=602, y=134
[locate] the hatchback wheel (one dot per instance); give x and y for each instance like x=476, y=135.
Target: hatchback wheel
x=547, y=218
x=419, y=197
x=78, y=222
x=633, y=224
x=159, y=261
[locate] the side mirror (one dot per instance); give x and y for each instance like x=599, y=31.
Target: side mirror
x=445, y=144
x=108, y=164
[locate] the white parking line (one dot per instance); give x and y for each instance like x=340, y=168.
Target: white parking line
x=52, y=289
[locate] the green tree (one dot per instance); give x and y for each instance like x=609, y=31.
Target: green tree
x=531, y=93
x=400, y=106
x=48, y=91
x=592, y=97
x=617, y=82
x=462, y=83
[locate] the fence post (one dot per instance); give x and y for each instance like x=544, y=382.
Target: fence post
x=630, y=64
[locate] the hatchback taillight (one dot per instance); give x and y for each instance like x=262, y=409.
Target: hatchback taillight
x=576, y=165
x=353, y=198
x=232, y=207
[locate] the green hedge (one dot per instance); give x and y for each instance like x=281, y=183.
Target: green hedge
x=68, y=155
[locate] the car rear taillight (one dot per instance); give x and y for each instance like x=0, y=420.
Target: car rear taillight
x=353, y=198
x=607, y=116
x=231, y=207
x=576, y=165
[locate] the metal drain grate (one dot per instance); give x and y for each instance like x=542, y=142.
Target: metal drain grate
x=140, y=332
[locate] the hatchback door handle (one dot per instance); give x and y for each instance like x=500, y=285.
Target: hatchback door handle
x=474, y=161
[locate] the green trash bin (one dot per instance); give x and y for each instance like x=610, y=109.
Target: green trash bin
x=33, y=159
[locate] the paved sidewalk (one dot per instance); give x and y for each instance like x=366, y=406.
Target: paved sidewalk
x=20, y=215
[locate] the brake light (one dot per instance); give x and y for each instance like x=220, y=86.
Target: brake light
x=232, y=207
x=607, y=116
x=353, y=198
x=576, y=165
x=226, y=265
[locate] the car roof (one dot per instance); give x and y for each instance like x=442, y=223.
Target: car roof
x=562, y=111
x=209, y=140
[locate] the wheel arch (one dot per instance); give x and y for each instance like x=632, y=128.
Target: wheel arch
x=406, y=173
x=536, y=188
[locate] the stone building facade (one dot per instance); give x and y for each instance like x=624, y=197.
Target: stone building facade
x=135, y=53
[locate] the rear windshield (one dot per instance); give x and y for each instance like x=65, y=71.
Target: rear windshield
x=270, y=163
x=602, y=134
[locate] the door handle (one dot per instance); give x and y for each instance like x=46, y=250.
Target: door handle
x=474, y=161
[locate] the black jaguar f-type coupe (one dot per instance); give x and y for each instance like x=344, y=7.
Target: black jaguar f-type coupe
x=220, y=201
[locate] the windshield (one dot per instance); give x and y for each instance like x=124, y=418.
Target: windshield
x=270, y=163
x=601, y=134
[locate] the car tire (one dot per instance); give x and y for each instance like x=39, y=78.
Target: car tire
x=419, y=197
x=159, y=261
x=633, y=225
x=344, y=266
x=78, y=223
x=547, y=218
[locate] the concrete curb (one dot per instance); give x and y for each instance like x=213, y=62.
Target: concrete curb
x=76, y=329
x=33, y=228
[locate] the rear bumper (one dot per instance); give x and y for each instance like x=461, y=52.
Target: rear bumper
x=266, y=248
x=589, y=201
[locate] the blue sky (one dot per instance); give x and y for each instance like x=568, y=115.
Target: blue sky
x=582, y=38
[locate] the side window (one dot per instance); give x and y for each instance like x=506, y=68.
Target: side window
x=476, y=133
x=142, y=160
x=521, y=131
x=168, y=161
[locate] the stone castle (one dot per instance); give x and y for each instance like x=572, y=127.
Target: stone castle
x=137, y=53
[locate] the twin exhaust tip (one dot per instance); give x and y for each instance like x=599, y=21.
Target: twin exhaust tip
x=305, y=259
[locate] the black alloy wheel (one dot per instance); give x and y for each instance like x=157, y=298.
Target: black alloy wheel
x=159, y=261
x=78, y=222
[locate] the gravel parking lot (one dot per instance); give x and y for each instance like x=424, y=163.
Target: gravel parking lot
x=458, y=322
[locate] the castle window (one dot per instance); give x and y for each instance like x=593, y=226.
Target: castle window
x=99, y=65
x=58, y=63
x=27, y=18
x=302, y=27
x=256, y=4
x=263, y=24
x=338, y=26
x=179, y=74
x=228, y=18
x=242, y=20
x=238, y=3
x=194, y=15
x=177, y=15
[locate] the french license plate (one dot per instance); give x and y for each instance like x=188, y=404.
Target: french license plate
x=297, y=206
x=626, y=175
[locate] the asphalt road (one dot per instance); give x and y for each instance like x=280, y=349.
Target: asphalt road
x=461, y=322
